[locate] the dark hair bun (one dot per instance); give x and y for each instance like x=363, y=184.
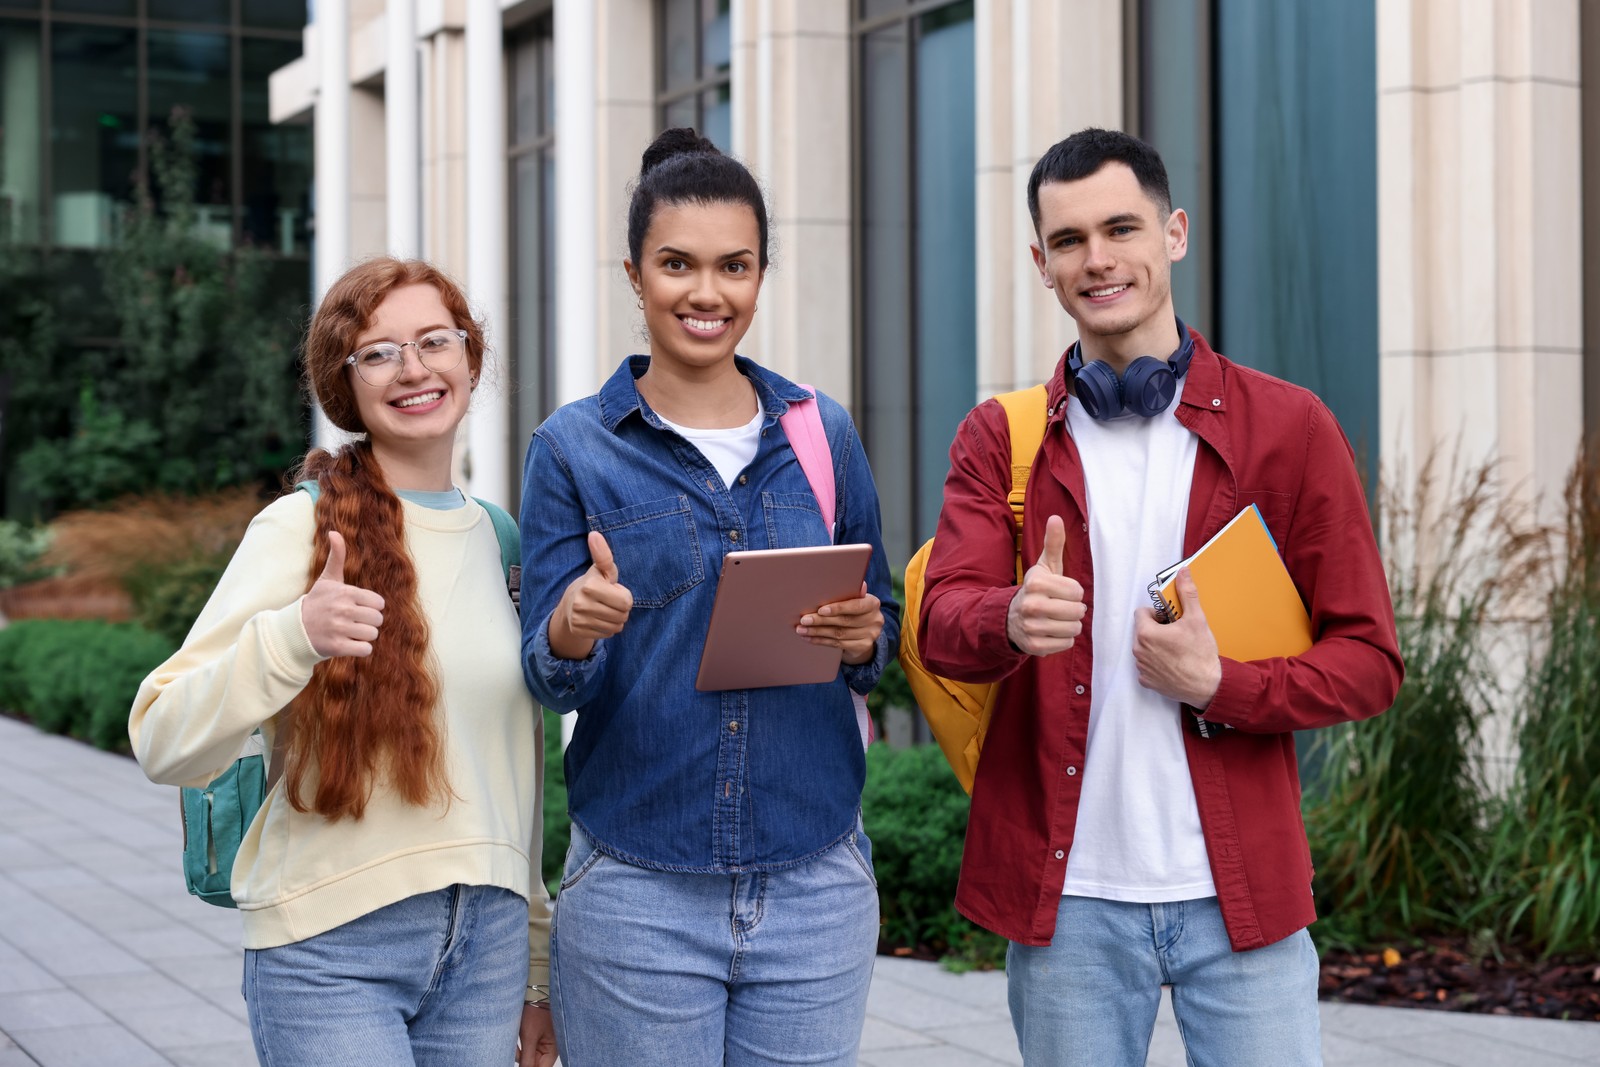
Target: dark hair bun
x=678, y=141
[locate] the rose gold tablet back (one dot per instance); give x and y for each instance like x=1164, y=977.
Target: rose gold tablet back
x=761, y=595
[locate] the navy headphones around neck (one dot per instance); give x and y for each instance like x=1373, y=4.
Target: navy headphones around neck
x=1146, y=389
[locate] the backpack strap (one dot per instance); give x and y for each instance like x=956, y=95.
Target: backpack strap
x=802, y=424
x=505, y=531
x=1026, y=413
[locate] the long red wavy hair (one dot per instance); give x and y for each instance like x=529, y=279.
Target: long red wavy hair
x=362, y=718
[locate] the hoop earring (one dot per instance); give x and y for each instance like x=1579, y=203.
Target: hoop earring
x=641, y=301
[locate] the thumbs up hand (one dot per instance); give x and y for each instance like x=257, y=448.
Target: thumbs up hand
x=1178, y=659
x=340, y=619
x=595, y=605
x=1046, y=614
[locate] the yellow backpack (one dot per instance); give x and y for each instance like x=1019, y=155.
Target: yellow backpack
x=958, y=712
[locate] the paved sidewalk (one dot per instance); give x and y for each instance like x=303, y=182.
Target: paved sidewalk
x=104, y=959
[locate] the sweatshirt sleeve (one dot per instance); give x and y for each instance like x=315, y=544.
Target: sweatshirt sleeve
x=246, y=657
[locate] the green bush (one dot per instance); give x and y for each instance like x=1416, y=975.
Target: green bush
x=77, y=677
x=915, y=813
x=557, y=824
x=167, y=598
x=20, y=549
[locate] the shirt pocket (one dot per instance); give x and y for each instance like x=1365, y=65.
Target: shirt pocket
x=794, y=520
x=656, y=548
x=1275, y=509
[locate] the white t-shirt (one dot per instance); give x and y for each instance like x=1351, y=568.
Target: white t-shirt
x=1138, y=836
x=729, y=450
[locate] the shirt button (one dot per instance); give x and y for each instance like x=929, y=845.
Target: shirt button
x=744, y=479
x=733, y=727
x=1060, y=855
x=1071, y=771
x=1216, y=402
x=733, y=535
x=1078, y=690
x=1084, y=527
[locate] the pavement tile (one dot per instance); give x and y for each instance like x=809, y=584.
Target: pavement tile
x=44, y=881
x=105, y=909
x=1370, y=1023
x=186, y=1025
x=228, y=1052
x=46, y=1009
x=1480, y=1050
x=880, y=1035
x=12, y=1056
x=19, y=853
x=169, y=941
x=995, y=1040
x=1341, y=1051
x=222, y=972
x=979, y=989
x=19, y=974
x=911, y=1008
x=120, y=994
x=89, y=1046
x=938, y=1056
x=1579, y=1041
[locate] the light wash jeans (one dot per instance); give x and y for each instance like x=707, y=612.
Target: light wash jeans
x=435, y=980
x=703, y=969
x=1089, y=998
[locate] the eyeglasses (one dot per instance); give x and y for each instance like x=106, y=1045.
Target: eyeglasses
x=380, y=363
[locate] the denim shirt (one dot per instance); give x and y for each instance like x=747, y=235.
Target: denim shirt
x=660, y=774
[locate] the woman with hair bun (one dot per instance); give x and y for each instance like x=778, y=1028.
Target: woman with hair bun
x=366, y=630
x=718, y=904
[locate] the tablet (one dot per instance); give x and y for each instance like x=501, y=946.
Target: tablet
x=761, y=595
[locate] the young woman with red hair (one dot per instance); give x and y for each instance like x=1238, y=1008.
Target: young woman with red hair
x=385, y=885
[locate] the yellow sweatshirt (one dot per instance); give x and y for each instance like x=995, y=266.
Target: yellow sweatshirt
x=298, y=874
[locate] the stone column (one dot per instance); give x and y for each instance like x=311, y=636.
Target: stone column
x=1479, y=199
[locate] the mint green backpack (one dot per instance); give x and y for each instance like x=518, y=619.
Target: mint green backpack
x=215, y=818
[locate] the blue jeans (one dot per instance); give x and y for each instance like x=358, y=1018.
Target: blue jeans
x=738, y=969
x=435, y=979
x=1090, y=997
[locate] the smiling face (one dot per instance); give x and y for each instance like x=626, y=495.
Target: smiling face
x=422, y=407
x=698, y=275
x=1107, y=251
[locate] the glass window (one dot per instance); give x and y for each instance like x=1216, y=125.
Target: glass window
x=94, y=131
x=1296, y=145
x=95, y=7
x=193, y=71
x=204, y=11
x=918, y=242
x=274, y=14
x=696, y=45
x=531, y=370
x=21, y=135
x=276, y=166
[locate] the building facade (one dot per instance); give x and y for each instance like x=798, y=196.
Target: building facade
x=1386, y=199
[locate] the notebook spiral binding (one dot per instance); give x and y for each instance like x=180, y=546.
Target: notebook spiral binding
x=1157, y=601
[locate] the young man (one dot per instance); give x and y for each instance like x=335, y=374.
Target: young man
x=1117, y=842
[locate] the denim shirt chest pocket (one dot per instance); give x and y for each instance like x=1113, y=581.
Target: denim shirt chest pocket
x=656, y=548
x=794, y=520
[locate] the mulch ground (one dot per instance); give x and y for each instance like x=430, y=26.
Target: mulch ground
x=1444, y=975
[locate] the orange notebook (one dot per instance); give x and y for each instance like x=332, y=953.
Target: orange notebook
x=1249, y=600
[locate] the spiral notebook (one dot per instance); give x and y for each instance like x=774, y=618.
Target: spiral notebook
x=1249, y=600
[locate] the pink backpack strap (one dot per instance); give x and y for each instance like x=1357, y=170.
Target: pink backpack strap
x=802, y=424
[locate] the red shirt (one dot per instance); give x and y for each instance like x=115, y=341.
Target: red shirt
x=1262, y=441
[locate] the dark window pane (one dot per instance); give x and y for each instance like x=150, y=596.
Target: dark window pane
x=17, y=5
x=885, y=275
x=274, y=14
x=94, y=136
x=533, y=325
x=682, y=26
x=1174, y=118
x=716, y=38
x=716, y=120
x=95, y=7
x=207, y=11
x=191, y=71
x=528, y=84
x=20, y=133
x=680, y=113
x=869, y=8
x=1297, y=152
x=276, y=168
x=946, y=244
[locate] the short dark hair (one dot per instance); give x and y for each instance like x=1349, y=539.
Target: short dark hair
x=1086, y=151
x=681, y=167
